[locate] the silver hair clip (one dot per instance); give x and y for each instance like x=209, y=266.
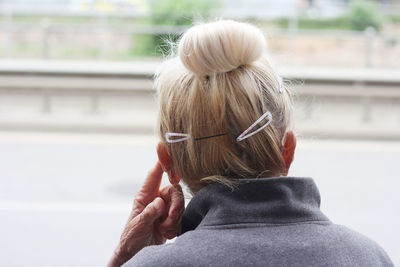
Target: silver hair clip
x=169, y=136
x=245, y=134
x=186, y=137
x=182, y=135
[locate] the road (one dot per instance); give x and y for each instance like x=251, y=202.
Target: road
x=64, y=198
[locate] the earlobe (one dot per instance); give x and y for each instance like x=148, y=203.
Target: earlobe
x=163, y=156
x=166, y=163
x=289, y=148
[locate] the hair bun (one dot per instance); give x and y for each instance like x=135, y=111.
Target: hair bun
x=220, y=46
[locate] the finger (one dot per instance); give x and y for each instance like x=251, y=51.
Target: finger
x=151, y=186
x=171, y=228
x=177, y=204
x=171, y=234
x=152, y=212
x=174, y=199
x=153, y=179
x=173, y=196
x=140, y=229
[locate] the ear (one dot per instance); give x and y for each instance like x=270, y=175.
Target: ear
x=166, y=163
x=288, y=150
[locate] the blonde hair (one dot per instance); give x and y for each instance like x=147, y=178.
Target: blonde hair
x=222, y=82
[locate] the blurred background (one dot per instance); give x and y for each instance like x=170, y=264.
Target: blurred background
x=78, y=113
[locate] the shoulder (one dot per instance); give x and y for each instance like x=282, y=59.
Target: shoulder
x=186, y=250
x=336, y=245
x=360, y=245
x=161, y=256
x=149, y=256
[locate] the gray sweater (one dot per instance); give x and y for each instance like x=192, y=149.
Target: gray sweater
x=263, y=222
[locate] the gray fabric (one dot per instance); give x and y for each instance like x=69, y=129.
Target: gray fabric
x=263, y=222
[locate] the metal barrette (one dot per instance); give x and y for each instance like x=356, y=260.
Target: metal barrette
x=169, y=137
x=245, y=134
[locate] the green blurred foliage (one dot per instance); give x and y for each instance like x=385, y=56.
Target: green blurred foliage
x=179, y=12
x=393, y=18
x=172, y=13
x=363, y=14
x=340, y=23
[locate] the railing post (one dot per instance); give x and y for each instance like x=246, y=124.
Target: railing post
x=94, y=103
x=45, y=24
x=370, y=34
x=46, y=102
x=309, y=109
x=293, y=29
x=7, y=28
x=102, y=35
x=367, y=109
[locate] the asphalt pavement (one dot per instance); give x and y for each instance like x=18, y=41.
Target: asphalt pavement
x=64, y=198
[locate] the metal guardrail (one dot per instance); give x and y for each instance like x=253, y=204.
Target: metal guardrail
x=98, y=81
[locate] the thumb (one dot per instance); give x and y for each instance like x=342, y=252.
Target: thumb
x=153, y=211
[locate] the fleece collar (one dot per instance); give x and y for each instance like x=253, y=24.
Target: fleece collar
x=280, y=200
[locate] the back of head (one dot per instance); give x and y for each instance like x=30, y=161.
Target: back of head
x=221, y=83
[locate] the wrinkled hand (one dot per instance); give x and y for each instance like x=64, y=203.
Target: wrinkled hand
x=155, y=217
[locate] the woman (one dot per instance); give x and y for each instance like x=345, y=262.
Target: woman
x=226, y=132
